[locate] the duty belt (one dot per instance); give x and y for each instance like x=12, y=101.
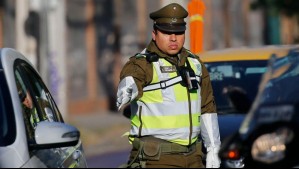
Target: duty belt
x=165, y=147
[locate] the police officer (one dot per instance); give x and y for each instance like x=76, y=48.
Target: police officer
x=171, y=99
x=30, y=109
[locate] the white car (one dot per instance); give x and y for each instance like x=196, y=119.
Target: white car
x=32, y=131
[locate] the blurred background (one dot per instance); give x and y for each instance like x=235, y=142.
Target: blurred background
x=80, y=46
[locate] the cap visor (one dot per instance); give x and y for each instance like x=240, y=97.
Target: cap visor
x=172, y=28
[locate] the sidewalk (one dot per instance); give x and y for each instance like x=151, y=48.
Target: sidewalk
x=101, y=132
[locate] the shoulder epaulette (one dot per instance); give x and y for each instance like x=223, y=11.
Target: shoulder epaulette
x=191, y=54
x=140, y=55
x=150, y=57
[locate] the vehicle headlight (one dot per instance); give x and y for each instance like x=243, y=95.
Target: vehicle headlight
x=270, y=147
x=234, y=163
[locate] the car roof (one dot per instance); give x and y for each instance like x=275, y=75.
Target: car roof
x=245, y=53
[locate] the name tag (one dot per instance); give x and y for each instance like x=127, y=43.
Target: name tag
x=168, y=69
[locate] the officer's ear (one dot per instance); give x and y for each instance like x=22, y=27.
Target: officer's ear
x=154, y=33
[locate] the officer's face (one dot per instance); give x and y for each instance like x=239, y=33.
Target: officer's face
x=28, y=101
x=169, y=43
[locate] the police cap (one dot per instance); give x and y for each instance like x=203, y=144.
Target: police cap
x=21, y=93
x=170, y=18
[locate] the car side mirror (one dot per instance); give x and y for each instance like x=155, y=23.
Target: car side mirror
x=238, y=98
x=55, y=134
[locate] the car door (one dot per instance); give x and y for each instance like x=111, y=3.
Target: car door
x=30, y=85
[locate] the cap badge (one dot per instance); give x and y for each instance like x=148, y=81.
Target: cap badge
x=174, y=20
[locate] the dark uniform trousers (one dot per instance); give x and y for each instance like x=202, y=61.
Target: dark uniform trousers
x=150, y=152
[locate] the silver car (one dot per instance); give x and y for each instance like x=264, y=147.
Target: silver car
x=32, y=131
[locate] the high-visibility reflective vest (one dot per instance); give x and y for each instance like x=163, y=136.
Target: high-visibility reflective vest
x=167, y=110
x=34, y=119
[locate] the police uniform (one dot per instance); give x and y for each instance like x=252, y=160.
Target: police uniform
x=154, y=73
x=32, y=112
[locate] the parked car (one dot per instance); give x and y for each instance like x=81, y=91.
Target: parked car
x=32, y=131
x=235, y=74
x=269, y=136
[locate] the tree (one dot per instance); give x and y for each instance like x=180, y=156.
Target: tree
x=272, y=8
x=287, y=7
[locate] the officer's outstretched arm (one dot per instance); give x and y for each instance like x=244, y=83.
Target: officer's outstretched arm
x=211, y=138
x=126, y=92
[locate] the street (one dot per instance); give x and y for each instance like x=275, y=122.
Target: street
x=108, y=160
x=102, y=138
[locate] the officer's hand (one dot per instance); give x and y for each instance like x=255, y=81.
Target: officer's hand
x=212, y=160
x=123, y=97
x=126, y=92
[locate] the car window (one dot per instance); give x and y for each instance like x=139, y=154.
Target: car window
x=35, y=98
x=7, y=122
x=43, y=108
x=245, y=75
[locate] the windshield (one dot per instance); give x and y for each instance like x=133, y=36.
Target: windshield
x=279, y=85
x=242, y=74
x=282, y=85
x=7, y=123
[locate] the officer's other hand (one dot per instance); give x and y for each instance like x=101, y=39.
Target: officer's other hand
x=212, y=160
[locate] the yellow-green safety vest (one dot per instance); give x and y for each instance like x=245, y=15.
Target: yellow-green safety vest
x=163, y=110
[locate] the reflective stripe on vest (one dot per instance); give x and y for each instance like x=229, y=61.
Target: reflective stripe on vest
x=34, y=119
x=164, y=112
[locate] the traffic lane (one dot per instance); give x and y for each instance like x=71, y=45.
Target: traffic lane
x=108, y=160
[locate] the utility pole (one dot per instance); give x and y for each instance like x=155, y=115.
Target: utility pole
x=227, y=23
x=21, y=15
x=90, y=38
x=56, y=56
x=53, y=50
x=196, y=9
x=141, y=21
x=273, y=22
x=245, y=20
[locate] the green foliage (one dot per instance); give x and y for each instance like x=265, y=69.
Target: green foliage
x=287, y=7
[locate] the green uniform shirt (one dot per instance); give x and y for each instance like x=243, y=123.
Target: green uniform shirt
x=142, y=72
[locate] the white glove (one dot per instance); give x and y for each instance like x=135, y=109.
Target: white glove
x=211, y=138
x=212, y=160
x=124, y=97
x=127, y=91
